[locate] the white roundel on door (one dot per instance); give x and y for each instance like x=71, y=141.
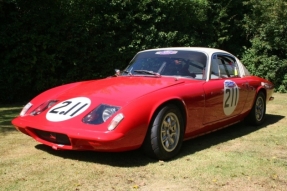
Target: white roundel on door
x=231, y=97
x=68, y=109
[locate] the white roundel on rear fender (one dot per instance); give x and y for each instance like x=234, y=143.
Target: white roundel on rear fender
x=231, y=97
x=68, y=109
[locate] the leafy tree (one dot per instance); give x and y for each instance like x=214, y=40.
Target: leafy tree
x=28, y=56
x=48, y=43
x=225, y=18
x=266, y=27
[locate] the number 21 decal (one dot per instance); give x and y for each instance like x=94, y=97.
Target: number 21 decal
x=231, y=97
x=68, y=109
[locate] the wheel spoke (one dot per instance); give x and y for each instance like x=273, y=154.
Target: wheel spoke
x=173, y=127
x=164, y=138
x=173, y=134
x=167, y=144
x=165, y=123
x=171, y=141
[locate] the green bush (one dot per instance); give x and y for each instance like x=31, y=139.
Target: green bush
x=267, y=56
x=49, y=43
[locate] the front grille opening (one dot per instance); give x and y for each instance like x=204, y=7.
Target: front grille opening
x=53, y=137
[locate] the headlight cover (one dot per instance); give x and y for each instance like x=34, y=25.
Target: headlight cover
x=25, y=109
x=43, y=107
x=99, y=115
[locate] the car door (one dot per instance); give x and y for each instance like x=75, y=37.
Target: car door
x=225, y=90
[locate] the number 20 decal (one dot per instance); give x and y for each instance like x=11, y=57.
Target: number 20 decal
x=231, y=97
x=68, y=109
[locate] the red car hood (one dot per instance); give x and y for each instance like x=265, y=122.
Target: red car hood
x=118, y=88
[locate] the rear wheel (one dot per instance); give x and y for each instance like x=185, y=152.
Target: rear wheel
x=258, y=111
x=165, y=134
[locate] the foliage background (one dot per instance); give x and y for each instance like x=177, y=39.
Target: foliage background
x=51, y=42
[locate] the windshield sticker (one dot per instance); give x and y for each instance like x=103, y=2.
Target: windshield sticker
x=231, y=97
x=68, y=109
x=166, y=52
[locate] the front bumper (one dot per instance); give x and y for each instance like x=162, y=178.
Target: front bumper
x=75, y=139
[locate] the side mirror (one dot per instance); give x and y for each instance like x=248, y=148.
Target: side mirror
x=117, y=72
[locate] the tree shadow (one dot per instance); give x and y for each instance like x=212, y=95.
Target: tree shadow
x=5, y=119
x=137, y=158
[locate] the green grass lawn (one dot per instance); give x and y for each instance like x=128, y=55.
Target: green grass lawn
x=239, y=157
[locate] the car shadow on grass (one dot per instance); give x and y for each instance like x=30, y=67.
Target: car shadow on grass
x=232, y=132
x=133, y=158
x=137, y=158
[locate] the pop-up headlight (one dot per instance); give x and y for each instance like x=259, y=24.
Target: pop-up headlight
x=100, y=114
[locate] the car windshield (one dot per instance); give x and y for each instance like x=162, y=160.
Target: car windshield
x=168, y=63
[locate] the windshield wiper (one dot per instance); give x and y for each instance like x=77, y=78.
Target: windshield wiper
x=127, y=72
x=147, y=72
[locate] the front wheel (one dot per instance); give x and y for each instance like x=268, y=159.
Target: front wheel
x=258, y=111
x=165, y=135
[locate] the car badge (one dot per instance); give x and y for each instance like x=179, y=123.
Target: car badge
x=52, y=137
x=229, y=84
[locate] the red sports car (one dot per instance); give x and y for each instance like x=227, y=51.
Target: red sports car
x=163, y=97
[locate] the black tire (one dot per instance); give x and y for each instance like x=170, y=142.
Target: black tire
x=165, y=135
x=258, y=111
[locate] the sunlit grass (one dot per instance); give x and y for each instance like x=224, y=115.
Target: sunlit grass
x=240, y=157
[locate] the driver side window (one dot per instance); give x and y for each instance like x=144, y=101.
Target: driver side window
x=223, y=66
